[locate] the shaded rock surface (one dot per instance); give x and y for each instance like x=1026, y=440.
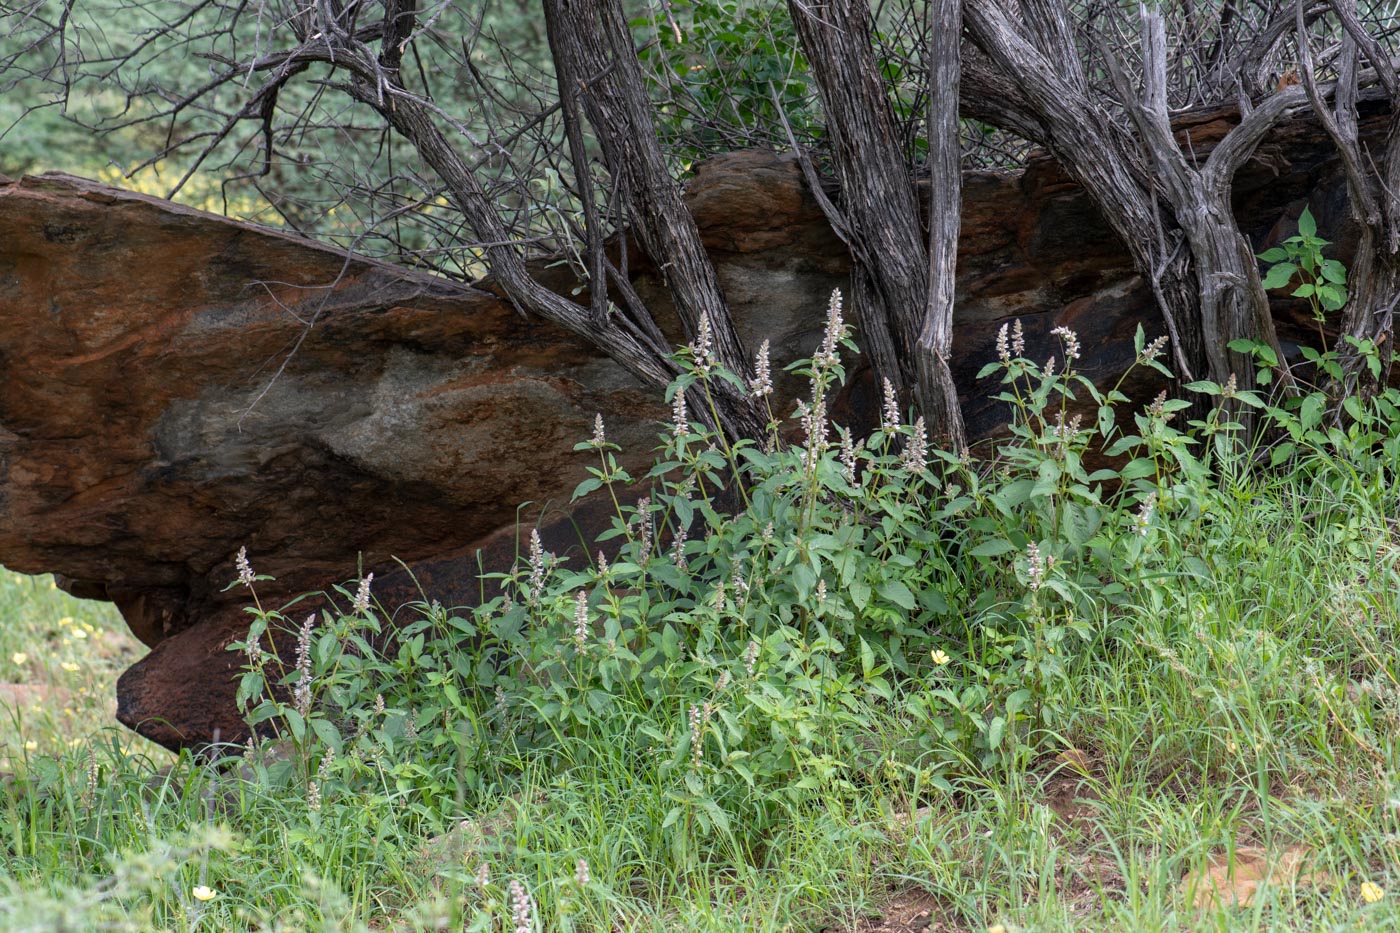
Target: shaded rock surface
x=175, y=385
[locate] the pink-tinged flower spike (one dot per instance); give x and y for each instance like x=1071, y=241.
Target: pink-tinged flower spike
x=1071, y=342
x=889, y=418
x=700, y=349
x=361, y=602
x=1035, y=566
x=915, y=454
x=245, y=570
x=829, y=354
x=680, y=421
x=848, y=455
x=1153, y=349
x=581, y=621
x=301, y=690
x=762, y=383
x=521, y=908
x=1143, y=519
x=536, y=563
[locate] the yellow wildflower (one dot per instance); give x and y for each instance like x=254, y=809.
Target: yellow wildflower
x=66, y=620
x=940, y=657
x=1371, y=892
x=203, y=893
x=77, y=633
x=20, y=658
x=70, y=667
x=30, y=745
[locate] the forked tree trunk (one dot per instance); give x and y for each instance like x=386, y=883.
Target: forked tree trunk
x=938, y=397
x=596, y=59
x=1232, y=304
x=1374, y=189
x=907, y=325
x=1173, y=216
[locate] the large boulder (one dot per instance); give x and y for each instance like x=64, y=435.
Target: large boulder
x=175, y=385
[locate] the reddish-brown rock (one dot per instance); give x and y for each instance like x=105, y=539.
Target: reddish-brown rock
x=175, y=385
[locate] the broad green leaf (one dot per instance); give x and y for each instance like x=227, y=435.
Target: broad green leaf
x=1307, y=226
x=995, y=731
x=587, y=486
x=327, y=732
x=896, y=592
x=1280, y=275
x=993, y=548
x=295, y=723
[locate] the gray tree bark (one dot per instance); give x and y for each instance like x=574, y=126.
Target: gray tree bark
x=1374, y=186
x=595, y=57
x=1173, y=216
x=906, y=324
x=938, y=397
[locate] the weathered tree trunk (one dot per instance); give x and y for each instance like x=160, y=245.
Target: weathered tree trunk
x=595, y=57
x=938, y=397
x=1174, y=217
x=908, y=326
x=1232, y=304
x=1083, y=137
x=1374, y=187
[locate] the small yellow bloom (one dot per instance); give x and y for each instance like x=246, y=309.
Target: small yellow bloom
x=70, y=667
x=74, y=743
x=89, y=628
x=940, y=657
x=1371, y=892
x=78, y=633
x=203, y=893
x=996, y=928
x=20, y=658
x=66, y=620
x=30, y=745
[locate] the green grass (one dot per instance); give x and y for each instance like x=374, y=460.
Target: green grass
x=59, y=661
x=1070, y=751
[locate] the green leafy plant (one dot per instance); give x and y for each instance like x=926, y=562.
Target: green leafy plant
x=801, y=669
x=731, y=72
x=1298, y=262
